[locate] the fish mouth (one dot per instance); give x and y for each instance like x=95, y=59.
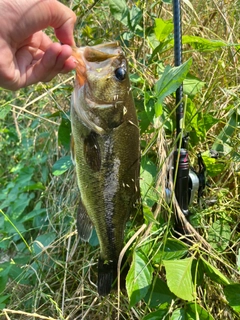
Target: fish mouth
x=84, y=56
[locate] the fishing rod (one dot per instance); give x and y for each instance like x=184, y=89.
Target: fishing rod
x=181, y=161
x=188, y=181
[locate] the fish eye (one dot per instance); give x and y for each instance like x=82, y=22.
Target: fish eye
x=120, y=73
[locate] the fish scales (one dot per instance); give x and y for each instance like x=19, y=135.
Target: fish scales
x=106, y=152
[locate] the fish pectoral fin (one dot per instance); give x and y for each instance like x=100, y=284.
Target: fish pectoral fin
x=84, y=224
x=72, y=150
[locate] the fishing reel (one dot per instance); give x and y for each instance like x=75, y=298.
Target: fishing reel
x=189, y=182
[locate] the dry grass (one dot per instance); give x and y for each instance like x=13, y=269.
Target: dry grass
x=66, y=277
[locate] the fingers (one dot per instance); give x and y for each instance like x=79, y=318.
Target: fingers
x=57, y=59
x=38, y=15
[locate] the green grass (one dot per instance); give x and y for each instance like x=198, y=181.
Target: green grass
x=45, y=272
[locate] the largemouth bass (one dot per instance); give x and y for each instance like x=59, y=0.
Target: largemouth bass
x=105, y=150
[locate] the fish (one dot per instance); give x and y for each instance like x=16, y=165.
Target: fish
x=105, y=149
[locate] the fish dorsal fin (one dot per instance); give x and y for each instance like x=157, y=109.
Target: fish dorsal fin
x=94, y=55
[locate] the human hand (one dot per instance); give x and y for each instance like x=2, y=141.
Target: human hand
x=27, y=54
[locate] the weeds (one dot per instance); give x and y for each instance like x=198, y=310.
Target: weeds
x=45, y=273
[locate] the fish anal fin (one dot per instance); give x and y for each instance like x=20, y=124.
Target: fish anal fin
x=84, y=224
x=107, y=273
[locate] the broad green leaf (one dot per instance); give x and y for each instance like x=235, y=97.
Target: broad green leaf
x=158, y=294
x=214, y=273
x=179, y=277
x=148, y=176
x=139, y=278
x=191, y=311
x=159, y=107
x=4, y=271
x=157, y=315
x=62, y=165
x=232, y=293
x=192, y=85
x=172, y=250
x=148, y=215
x=43, y=241
x=64, y=133
x=214, y=167
x=195, y=311
x=163, y=28
x=202, y=44
x=219, y=235
x=170, y=80
x=32, y=214
x=149, y=105
x=119, y=10
x=3, y=300
x=4, y=111
x=135, y=17
x=34, y=186
x=179, y=314
x=223, y=140
x=93, y=241
x=207, y=121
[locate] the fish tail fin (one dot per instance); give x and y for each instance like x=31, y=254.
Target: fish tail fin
x=107, y=273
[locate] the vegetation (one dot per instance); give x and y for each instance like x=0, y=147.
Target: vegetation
x=45, y=272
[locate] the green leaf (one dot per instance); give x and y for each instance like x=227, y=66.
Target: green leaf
x=4, y=271
x=3, y=301
x=172, y=250
x=191, y=311
x=179, y=278
x=219, y=235
x=159, y=107
x=223, y=140
x=157, y=315
x=135, y=17
x=64, y=133
x=195, y=311
x=32, y=214
x=179, y=314
x=148, y=215
x=192, y=85
x=170, y=80
x=93, y=241
x=139, y=278
x=4, y=111
x=62, y=165
x=214, y=167
x=232, y=293
x=202, y=44
x=119, y=10
x=147, y=182
x=34, y=186
x=213, y=273
x=43, y=241
x=163, y=28
x=158, y=294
